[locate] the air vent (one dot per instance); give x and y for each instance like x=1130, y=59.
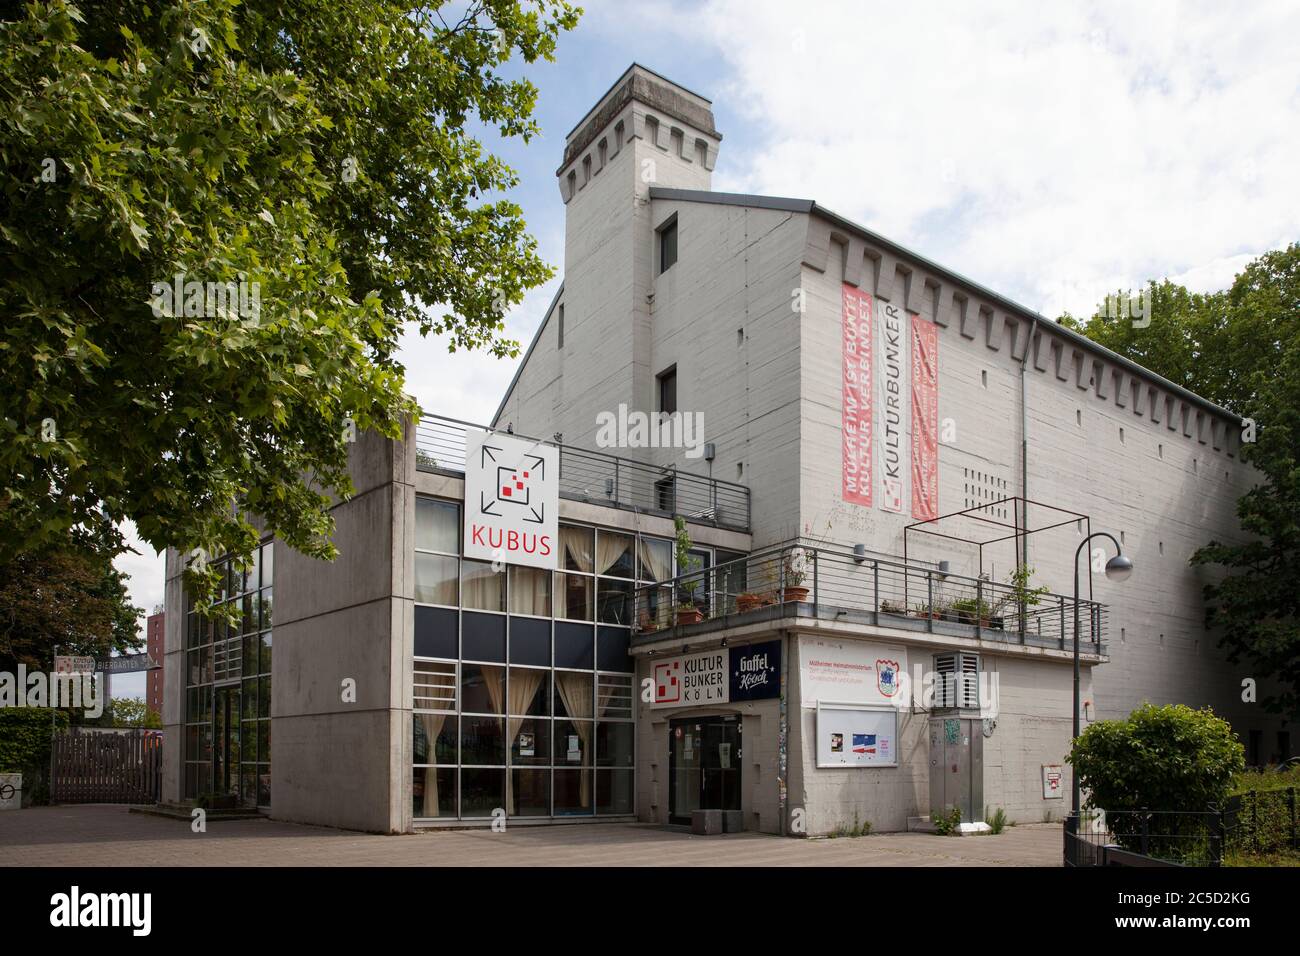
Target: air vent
x=956, y=682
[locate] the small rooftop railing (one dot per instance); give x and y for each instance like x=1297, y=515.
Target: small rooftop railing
x=833, y=583
x=601, y=478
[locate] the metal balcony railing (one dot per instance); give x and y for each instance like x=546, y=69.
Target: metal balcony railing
x=601, y=478
x=828, y=581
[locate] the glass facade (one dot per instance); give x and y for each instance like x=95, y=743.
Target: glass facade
x=228, y=688
x=523, y=688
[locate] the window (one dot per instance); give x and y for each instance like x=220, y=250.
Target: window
x=668, y=245
x=437, y=526
x=560, y=327
x=667, y=381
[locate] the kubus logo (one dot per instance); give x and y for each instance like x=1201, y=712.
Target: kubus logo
x=668, y=689
x=511, y=500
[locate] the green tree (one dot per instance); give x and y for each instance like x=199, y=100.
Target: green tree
x=319, y=157
x=132, y=712
x=68, y=595
x=1241, y=349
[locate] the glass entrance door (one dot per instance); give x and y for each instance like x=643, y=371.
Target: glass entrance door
x=225, y=740
x=704, y=757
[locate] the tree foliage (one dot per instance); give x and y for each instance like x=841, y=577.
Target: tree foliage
x=1158, y=758
x=68, y=595
x=1240, y=348
x=133, y=712
x=318, y=156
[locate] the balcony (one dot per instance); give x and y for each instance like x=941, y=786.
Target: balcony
x=600, y=478
x=827, y=582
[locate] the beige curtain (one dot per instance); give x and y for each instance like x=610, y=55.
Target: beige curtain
x=437, y=525
x=482, y=587
x=658, y=557
x=610, y=548
x=523, y=685
x=435, y=579
x=432, y=728
x=576, y=693
x=576, y=543
x=530, y=591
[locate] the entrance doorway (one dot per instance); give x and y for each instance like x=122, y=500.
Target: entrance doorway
x=225, y=740
x=704, y=755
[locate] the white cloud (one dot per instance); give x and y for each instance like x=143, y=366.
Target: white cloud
x=1051, y=152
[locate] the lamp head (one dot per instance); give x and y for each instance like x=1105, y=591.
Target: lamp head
x=1119, y=568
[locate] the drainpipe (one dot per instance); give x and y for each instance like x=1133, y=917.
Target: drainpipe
x=1024, y=441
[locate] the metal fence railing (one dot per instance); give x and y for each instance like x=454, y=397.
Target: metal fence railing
x=601, y=478
x=828, y=580
x=1248, y=825
x=1145, y=838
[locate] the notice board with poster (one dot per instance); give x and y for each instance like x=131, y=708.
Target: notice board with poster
x=852, y=735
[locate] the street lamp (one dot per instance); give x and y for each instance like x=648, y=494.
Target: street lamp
x=1118, y=569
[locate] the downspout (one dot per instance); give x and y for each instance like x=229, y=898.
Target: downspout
x=1024, y=444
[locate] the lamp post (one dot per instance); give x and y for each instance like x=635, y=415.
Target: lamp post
x=1118, y=568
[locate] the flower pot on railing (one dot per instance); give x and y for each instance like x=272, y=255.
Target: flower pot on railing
x=794, y=594
x=748, y=601
x=689, y=615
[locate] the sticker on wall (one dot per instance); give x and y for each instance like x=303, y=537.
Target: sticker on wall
x=887, y=677
x=512, y=499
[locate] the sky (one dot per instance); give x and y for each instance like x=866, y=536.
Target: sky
x=1054, y=153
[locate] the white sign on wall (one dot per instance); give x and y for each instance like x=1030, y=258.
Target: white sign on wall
x=893, y=408
x=849, y=735
x=851, y=671
x=691, y=679
x=512, y=499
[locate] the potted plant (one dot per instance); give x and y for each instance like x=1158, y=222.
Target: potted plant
x=892, y=607
x=793, y=572
x=748, y=601
x=688, y=611
x=972, y=611
x=1019, y=594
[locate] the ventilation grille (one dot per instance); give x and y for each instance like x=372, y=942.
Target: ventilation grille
x=982, y=487
x=956, y=682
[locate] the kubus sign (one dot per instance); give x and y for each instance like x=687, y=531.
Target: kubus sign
x=512, y=499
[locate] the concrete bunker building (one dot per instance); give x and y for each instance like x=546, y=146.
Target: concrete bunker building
x=881, y=443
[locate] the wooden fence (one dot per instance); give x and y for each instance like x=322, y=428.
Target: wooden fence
x=92, y=767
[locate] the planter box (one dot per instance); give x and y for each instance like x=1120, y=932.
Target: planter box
x=733, y=821
x=706, y=822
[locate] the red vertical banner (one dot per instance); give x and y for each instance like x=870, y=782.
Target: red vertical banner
x=925, y=419
x=856, y=315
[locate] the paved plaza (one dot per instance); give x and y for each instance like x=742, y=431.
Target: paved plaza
x=104, y=835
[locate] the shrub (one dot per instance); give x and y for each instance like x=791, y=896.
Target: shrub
x=25, y=747
x=946, y=824
x=998, y=821
x=1160, y=758
x=1173, y=761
